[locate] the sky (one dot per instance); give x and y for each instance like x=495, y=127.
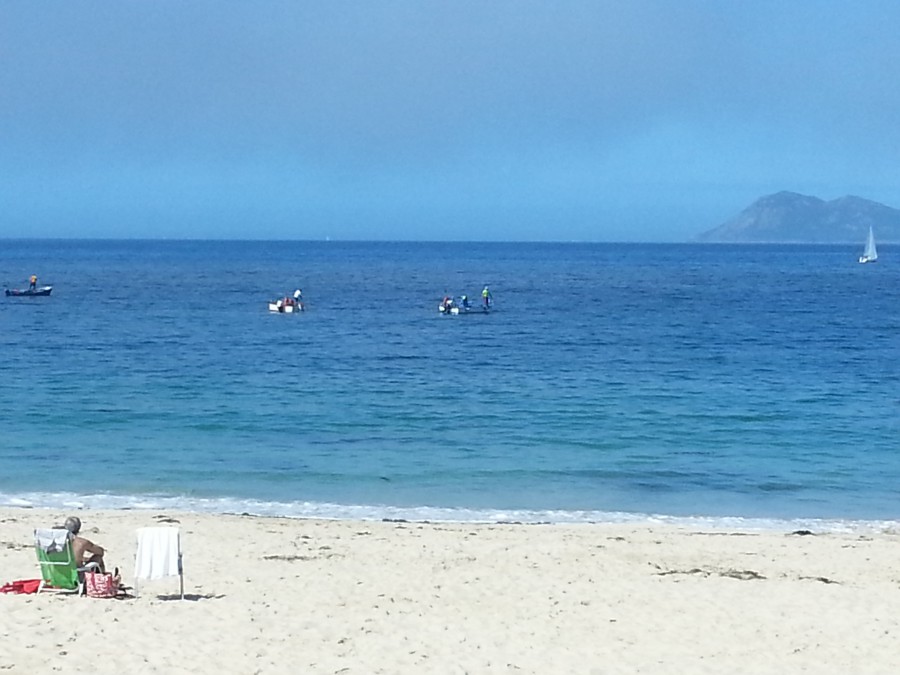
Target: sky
x=452, y=120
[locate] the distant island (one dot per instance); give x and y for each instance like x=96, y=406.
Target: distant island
x=788, y=217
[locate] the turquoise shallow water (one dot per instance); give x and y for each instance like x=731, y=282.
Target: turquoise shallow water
x=612, y=382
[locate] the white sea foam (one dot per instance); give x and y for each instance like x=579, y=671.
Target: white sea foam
x=326, y=511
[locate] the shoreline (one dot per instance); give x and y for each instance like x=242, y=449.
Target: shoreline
x=326, y=596
x=429, y=514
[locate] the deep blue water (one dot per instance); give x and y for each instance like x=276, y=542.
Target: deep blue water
x=755, y=382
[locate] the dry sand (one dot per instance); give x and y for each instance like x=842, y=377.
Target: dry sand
x=271, y=595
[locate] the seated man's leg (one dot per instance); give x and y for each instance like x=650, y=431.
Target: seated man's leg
x=96, y=558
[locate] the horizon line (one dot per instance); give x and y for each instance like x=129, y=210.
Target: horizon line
x=436, y=241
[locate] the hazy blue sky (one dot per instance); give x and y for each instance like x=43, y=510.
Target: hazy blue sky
x=480, y=120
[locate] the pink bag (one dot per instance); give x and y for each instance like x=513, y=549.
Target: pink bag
x=101, y=584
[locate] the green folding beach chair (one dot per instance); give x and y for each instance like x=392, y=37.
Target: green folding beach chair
x=59, y=570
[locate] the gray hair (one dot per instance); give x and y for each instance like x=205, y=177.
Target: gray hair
x=73, y=524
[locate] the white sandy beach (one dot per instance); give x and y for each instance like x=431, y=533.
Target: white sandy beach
x=270, y=595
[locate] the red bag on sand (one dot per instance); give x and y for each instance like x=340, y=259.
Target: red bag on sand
x=21, y=586
x=101, y=584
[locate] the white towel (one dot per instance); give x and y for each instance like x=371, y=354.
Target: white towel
x=52, y=541
x=158, y=553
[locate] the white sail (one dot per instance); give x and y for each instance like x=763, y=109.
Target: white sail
x=870, y=254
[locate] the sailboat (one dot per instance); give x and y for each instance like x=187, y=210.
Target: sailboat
x=869, y=254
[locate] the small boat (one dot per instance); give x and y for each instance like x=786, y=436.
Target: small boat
x=870, y=254
x=28, y=292
x=285, y=306
x=456, y=310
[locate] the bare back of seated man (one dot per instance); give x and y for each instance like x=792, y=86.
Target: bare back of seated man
x=83, y=550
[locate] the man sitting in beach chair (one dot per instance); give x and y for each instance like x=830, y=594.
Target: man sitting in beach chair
x=60, y=568
x=84, y=550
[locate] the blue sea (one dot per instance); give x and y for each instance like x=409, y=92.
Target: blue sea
x=755, y=385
